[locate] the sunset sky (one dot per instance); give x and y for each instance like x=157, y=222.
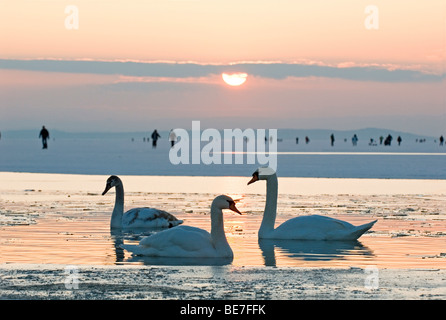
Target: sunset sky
x=140, y=64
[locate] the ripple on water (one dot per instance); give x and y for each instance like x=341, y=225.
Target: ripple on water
x=409, y=233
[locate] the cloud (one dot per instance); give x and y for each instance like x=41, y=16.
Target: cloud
x=106, y=99
x=189, y=70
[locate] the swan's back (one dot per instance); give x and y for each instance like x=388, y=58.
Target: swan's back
x=317, y=227
x=149, y=218
x=182, y=241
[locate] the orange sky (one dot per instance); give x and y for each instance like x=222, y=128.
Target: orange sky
x=411, y=35
x=410, y=32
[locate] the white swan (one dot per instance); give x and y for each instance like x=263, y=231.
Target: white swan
x=137, y=217
x=313, y=227
x=190, y=242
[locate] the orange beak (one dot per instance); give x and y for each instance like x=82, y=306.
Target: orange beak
x=234, y=208
x=107, y=187
x=254, y=179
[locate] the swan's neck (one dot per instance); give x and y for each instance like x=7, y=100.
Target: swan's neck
x=118, y=211
x=217, y=230
x=269, y=215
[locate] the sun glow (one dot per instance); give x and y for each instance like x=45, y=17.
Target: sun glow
x=235, y=79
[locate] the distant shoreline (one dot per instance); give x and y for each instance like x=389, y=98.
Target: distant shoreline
x=283, y=133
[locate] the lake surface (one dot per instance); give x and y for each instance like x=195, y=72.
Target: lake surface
x=55, y=214
x=70, y=225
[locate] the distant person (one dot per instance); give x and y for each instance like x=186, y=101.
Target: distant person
x=155, y=136
x=441, y=140
x=381, y=140
x=172, y=138
x=399, y=140
x=297, y=140
x=332, y=139
x=45, y=135
x=388, y=140
x=355, y=140
x=307, y=140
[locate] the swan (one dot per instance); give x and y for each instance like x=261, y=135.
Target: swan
x=137, y=217
x=312, y=227
x=190, y=242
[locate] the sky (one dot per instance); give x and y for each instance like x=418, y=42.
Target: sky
x=115, y=65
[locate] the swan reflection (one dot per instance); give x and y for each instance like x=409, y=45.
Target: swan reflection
x=118, y=236
x=311, y=250
x=179, y=261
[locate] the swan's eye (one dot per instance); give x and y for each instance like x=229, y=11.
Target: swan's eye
x=231, y=202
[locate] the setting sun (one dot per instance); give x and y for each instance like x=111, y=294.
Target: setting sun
x=235, y=79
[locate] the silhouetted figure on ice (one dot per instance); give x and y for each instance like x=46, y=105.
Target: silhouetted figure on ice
x=172, y=138
x=45, y=135
x=399, y=140
x=155, y=136
x=332, y=139
x=388, y=140
x=355, y=140
x=441, y=140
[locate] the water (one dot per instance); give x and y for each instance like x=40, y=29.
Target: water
x=72, y=227
x=62, y=218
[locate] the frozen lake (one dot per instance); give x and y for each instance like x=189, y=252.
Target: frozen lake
x=122, y=156
x=64, y=219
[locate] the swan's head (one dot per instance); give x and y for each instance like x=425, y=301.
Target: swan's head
x=225, y=202
x=262, y=173
x=112, y=181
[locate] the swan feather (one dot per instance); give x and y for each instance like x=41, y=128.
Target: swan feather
x=149, y=217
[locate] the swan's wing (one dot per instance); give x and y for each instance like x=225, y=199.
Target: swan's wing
x=314, y=227
x=149, y=217
x=316, y=222
x=182, y=241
